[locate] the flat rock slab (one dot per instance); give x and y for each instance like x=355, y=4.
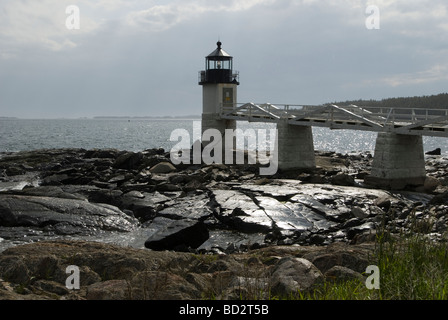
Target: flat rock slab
x=285, y=217
x=259, y=213
x=239, y=211
x=192, y=207
x=65, y=216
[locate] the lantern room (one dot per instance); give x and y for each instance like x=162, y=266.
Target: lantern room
x=218, y=68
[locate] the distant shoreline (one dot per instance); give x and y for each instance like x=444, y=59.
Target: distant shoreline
x=142, y=118
x=192, y=117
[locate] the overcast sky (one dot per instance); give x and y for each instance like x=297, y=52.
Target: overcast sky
x=142, y=57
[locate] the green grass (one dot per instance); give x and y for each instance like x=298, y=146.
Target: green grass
x=411, y=267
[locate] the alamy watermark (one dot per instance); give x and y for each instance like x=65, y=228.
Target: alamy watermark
x=73, y=21
x=373, y=20
x=72, y=282
x=261, y=147
x=373, y=280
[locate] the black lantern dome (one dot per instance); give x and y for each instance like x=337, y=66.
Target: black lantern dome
x=218, y=68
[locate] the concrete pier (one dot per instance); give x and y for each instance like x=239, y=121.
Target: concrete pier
x=398, y=161
x=295, y=147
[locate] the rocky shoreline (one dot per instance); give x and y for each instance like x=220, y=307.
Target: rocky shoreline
x=57, y=201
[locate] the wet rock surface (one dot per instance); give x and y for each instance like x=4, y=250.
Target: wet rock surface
x=141, y=200
x=76, y=192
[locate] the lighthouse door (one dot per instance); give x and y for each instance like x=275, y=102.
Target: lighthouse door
x=227, y=98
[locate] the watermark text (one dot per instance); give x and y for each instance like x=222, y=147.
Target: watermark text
x=260, y=146
x=373, y=20
x=73, y=21
x=72, y=282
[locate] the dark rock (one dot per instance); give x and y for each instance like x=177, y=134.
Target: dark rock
x=383, y=202
x=108, y=196
x=431, y=184
x=367, y=236
x=150, y=161
x=178, y=235
x=352, y=223
x=144, y=205
x=194, y=185
x=357, y=212
x=120, y=178
x=326, y=261
x=128, y=160
x=102, y=153
x=440, y=199
x=77, y=216
x=55, y=180
x=54, y=191
x=163, y=167
x=341, y=273
x=436, y=152
x=51, y=287
x=353, y=231
x=343, y=179
x=167, y=187
x=317, y=239
x=14, y=171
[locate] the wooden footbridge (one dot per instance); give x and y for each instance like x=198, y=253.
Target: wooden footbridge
x=410, y=121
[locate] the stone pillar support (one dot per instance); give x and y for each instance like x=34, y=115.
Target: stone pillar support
x=398, y=161
x=295, y=146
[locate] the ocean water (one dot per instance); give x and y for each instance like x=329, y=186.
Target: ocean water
x=141, y=134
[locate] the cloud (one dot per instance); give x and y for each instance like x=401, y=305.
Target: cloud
x=435, y=73
x=25, y=23
x=162, y=17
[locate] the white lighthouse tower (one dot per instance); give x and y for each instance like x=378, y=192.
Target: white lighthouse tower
x=219, y=90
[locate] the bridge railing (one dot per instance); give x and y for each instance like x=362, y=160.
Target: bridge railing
x=380, y=115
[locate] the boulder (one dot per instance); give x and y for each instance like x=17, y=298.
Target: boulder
x=357, y=212
x=435, y=152
x=293, y=275
x=163, y=167
x=351, y=260
x=128, y=160
x=384, y=202
x=341, y=273
x=431, y=184
x=343, y=179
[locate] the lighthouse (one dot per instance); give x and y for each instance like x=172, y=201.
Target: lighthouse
x=219, y=90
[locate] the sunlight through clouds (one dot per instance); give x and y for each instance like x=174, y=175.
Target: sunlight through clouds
x=146, y=54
